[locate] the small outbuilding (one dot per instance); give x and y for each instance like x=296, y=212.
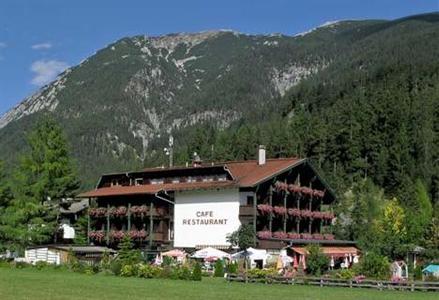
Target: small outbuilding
x=431, y=270
x=59, y=254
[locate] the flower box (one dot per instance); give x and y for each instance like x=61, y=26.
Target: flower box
x=306, y=236
x=294, y=188
x=120, y=211
x=280, y=235
x=265, y=234
x=137, y=234
x=306, y=213
x=139, y=211
x=281, y=186
x=294, y=236
x=265, y=209
x=328, y=236
x=97, y=212
x=117, y=235
x=318, y=194
x=97, y=235
x=317, y=236
x=280, y=210
x=306, y=191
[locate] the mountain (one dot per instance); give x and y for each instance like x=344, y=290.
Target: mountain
x=118, y=106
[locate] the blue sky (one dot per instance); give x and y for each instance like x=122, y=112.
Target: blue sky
x=40, y=38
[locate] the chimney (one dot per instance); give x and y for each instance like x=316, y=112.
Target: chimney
x=261, y=155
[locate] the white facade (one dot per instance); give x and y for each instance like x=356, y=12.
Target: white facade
x=42, y=254
x=205, y=218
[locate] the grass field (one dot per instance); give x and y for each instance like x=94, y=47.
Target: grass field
x=61, y=284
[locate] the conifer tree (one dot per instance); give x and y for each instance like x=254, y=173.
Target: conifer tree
x=44, y=178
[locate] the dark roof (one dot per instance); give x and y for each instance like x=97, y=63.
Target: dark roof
x=242, y=174
x=155, y=188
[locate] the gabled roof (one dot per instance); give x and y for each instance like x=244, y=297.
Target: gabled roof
x=155, y=188
x=249, y=173
x=243, y=174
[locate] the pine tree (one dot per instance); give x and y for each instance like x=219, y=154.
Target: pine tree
x=44, y=178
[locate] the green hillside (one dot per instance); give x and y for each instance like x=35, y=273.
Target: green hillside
x=360, y=98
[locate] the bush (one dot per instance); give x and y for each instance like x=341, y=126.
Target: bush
x=219, y=268
x=375, y=266
x=261, y=273
x=232, y=268
x=196, y=273
x=345, y=274
x=116, y=267
x=39, y=265
x=185, y=273
x=316, y=261
x=128, y=270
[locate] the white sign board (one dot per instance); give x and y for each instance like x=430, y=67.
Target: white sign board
x=205, y=217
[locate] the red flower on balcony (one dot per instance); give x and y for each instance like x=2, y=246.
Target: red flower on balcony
x=306, y=236
x=328, y=236
x=306, y=213
x=265, y=209
x=120, y=211
x=295, y=212
x=280, y=235
x=137, y=234
x=265, y=234
x=97, y=235
x=306, y=191
x=317, y=236
x=139, y=211
x=294, y=188
x=293, y=235
x=280, y=210
x=318, y=193
x=117, y=235
x=97, y=212
x=327, y=215
x=281, y=186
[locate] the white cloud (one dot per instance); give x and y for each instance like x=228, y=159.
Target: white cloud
x=42, y=46
x=3, y=45
x=46, y=70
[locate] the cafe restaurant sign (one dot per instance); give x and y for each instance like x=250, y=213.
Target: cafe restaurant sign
x=205, y=217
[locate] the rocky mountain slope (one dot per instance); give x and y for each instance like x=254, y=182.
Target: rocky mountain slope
x=119, y=106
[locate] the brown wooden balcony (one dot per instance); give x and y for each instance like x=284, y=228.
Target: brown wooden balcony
x=246, y=210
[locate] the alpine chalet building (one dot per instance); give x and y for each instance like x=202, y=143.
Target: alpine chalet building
x=284, y=199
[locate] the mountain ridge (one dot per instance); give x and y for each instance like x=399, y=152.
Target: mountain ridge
x=118, y=106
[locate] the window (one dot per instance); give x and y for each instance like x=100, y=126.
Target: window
x=138, y=181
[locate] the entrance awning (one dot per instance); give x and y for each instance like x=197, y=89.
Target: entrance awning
x=329, y=251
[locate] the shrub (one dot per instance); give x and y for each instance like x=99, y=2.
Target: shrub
x=375, y=266
x=185, y=273
x=116, y=267
x=167, y=261
x=345, y=274
x=39, y=265
x=316, y=261
x=128, y=270
x=232, y=268
x=196, y=273
x=219, y=268
x=261, y=273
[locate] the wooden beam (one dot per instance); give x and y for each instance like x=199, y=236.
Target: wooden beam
x=108, y=224
x=151, y=224
x=270, y=200
x=129, y=216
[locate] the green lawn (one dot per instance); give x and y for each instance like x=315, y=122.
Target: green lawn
x=59, y=284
